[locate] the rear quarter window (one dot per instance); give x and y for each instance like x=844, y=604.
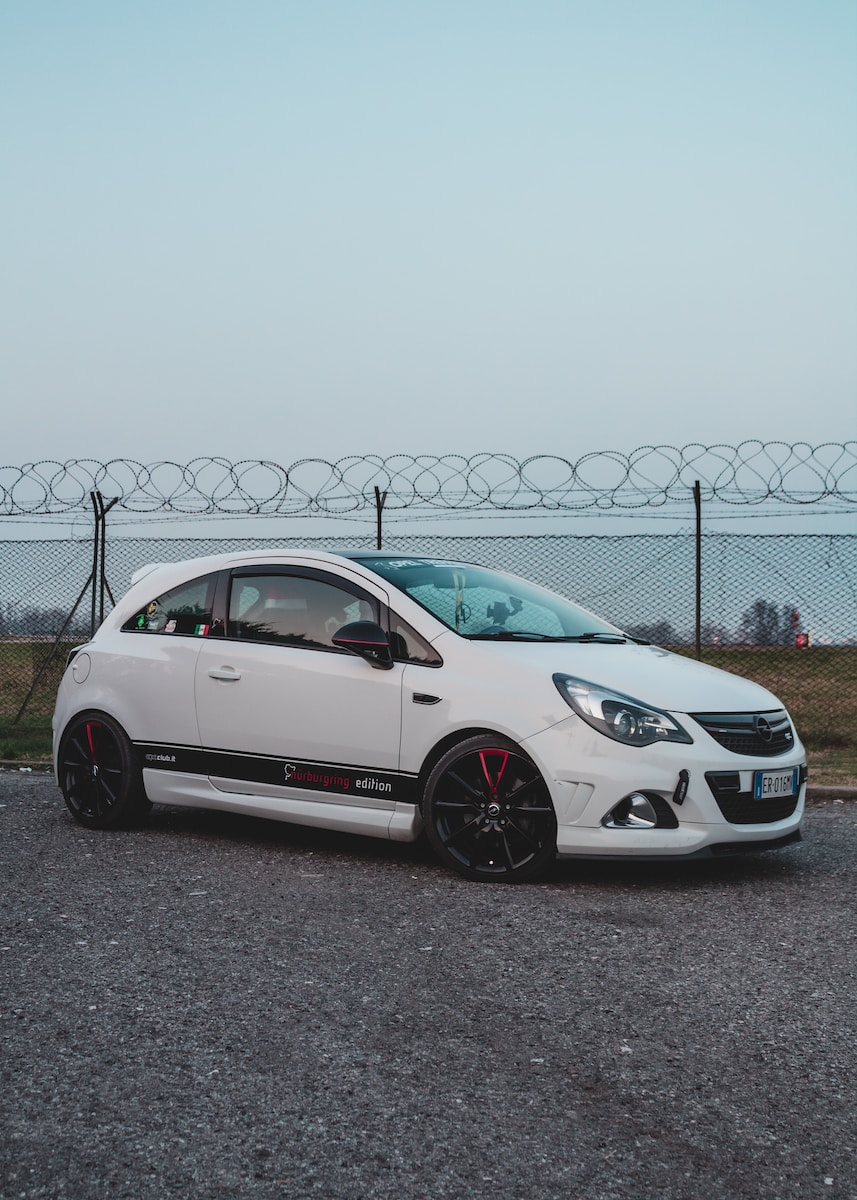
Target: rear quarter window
x=183, y=611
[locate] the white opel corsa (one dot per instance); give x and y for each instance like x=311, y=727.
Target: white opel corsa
x=385, y=695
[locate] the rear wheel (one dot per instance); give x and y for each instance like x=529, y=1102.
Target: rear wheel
x=488, y=813
x=98, y=773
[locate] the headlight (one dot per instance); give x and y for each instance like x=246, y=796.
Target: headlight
x=619, y=717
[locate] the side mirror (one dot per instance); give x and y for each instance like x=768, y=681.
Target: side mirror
x=367, y=640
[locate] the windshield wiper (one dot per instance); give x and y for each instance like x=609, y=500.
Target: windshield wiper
x=601, y=635
x=510, y=635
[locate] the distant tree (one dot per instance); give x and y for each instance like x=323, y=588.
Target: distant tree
x=44, y=622
x=32, y=621
x=764, y=624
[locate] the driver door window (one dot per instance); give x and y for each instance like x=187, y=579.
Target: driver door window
x=292, y=610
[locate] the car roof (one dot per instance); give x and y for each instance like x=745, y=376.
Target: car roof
x=161, y=576
x=225, y=558
x=214, y=562
x=380, y=555
x=170, y=573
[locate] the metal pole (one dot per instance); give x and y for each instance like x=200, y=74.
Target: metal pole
x=96, y=584
x=52, y=654
x=103, y=584
x=380, y=500
x=697, y=500
x=94, y=497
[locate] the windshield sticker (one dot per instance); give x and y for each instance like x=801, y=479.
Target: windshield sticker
x=396, y=564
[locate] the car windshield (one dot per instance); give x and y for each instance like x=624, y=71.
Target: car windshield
x=478, y=602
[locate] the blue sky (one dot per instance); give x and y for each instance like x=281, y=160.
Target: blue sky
x=280, y=230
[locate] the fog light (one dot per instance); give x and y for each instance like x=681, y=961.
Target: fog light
x=634, y=812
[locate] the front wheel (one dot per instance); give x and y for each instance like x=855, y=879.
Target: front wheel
x=98, y=773
x=488, y=813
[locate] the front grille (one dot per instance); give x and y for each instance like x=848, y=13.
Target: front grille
x=739, y=808
x=762, y=735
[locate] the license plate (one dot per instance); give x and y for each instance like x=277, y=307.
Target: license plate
x=772, y=785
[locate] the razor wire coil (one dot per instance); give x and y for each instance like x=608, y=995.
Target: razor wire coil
x=651, y=477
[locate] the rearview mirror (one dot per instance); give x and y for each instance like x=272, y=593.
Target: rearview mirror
x=367, y=640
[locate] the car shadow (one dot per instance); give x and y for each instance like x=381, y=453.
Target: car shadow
x=211, y=824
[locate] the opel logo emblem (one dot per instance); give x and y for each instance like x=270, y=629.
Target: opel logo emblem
x=763, y=729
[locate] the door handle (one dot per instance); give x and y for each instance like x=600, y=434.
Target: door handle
x=228, y=674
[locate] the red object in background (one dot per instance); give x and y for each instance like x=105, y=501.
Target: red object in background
x=803, y=640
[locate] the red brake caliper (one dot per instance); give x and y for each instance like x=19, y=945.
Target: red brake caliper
x=493, y=766
x=92, y=757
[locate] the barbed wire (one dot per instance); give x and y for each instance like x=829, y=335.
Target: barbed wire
x=650, y=477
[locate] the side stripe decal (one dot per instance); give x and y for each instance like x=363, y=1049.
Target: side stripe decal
x=281, y=772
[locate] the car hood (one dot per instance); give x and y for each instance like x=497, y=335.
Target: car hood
x=648, y=673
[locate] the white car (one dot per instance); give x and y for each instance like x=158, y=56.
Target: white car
x=386, y=695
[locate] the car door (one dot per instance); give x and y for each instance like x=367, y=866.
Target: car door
x=278, y=705
x=153, y=665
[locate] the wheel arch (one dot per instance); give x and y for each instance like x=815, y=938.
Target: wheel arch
x=457, y=737
x=99, y=771
x=74, y=714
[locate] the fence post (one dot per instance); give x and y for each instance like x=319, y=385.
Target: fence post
x=380, y=501
x=697, y=501
x=95, y=498
x=96, y=584
x=98, y=576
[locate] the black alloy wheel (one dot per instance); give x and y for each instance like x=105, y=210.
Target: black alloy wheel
x=488, y=813
x=98, y=774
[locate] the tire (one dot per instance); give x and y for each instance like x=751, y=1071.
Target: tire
x=488, y=813
x=98, y=773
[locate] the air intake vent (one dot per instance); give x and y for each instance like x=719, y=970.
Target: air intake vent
x=740, y=808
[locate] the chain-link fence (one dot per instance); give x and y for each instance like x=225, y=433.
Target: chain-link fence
x=781, y=609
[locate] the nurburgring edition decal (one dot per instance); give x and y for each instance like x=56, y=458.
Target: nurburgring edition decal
x=283, y=772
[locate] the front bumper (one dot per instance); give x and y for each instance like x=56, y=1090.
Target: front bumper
x=657, y=846
x=588, y=775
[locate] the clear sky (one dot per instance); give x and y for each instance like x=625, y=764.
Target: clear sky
x=281, y=229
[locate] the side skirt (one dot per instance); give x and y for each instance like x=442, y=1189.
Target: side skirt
x=395, y=820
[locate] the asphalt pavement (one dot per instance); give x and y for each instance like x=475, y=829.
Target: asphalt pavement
x=215, y=1007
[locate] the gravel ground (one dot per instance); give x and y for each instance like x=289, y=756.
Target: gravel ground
x=214, y=1007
